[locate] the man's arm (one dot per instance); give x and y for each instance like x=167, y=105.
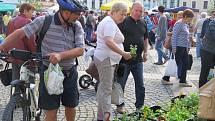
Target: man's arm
x=203, y=29
x=12, y=38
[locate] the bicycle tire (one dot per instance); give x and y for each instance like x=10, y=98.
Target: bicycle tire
x=85, y=81
x=16, y=100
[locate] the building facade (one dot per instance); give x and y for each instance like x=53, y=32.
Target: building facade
x=170, y=3
x=202, y=5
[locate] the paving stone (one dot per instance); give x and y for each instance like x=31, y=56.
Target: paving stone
x=156, y=93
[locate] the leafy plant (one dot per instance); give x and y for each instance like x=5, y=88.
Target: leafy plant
x=133, y=50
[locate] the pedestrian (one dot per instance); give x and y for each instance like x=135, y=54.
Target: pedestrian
x=134, y=28
x=198, y=29
x=108, y=52
x=207, y=53
x=161, y=36
x=181, y=45
x=150, y=27
x=18, y=22
x=206, y=24
x=166, y=79
x=63, y=42
x=6, y=19
x=90, y=25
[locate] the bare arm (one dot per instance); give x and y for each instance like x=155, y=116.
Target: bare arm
x=112, y=45
x=15, y=36
x=145, y=50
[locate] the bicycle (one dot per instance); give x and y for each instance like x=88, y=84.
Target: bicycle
x=23, y=104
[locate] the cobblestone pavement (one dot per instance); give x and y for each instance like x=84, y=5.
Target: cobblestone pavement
x=156, y=93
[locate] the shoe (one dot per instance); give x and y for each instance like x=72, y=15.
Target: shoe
x=164, y=82
x=120, y=109
x=185, y=85
x=159, y=63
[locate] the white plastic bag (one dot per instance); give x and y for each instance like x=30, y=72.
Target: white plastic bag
x=117, y=96
x=53, y=78
x=171, y=69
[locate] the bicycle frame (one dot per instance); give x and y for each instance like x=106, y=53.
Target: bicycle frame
x=27, y=89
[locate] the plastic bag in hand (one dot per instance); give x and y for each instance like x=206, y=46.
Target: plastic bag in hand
x=53, y=78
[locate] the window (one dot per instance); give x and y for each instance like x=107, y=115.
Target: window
x=184, y=3
x=93, y=4
x=205, y=6
x=172, y=3
x=165, y=3
x=193, y=4
x=178, y=3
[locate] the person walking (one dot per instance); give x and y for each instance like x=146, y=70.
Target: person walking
x=150, y=27
x=63, y=42
x=6, y=19
x=134, y=28
x=108, y=52
x=161, y=36
x=181, y=45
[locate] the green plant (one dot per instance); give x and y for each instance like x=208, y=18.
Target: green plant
x=133, y=50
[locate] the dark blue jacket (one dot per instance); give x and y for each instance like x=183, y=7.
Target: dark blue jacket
x=209, y=40
x=205, y=27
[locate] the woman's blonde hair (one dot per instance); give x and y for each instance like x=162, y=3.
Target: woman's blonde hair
x=119, y=6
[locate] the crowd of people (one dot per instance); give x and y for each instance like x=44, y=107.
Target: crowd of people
x=114, y=34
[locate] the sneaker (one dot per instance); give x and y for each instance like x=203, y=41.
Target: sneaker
x=159, y=63
x=120, y=109
x=164, y=82
x=185, y=85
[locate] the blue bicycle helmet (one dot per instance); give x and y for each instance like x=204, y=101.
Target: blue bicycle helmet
x=71, y=5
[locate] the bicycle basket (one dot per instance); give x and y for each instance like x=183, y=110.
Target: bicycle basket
x=6, y=75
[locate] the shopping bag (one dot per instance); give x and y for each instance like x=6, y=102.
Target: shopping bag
x=171, y=69
x=207, y=101
x=53, y=78
x=6, y=75
x=117, y=96
x=211, y=74
x=190, y=61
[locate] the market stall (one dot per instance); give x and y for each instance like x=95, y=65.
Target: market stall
x=107, y=6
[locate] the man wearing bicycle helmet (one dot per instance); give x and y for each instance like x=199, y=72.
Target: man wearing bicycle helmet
x=63, y=42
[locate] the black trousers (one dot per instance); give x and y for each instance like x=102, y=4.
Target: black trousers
x=207, y=62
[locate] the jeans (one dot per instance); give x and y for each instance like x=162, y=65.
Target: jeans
x=160, y=52
x=207, y=62
x=89, y=31
x=198, y=44
x=137, y=72
x=181, y=58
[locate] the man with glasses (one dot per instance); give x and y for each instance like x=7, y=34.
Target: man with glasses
x=63, y=42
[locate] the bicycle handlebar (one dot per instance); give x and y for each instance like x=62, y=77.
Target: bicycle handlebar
x=23, y=55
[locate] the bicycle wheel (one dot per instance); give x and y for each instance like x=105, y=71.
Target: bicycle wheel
x=85, y=81
x=16, y=110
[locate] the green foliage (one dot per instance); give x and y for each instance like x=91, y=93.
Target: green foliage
x=181, y=110
x=133, y=50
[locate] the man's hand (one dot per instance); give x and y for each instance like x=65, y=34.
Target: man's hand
x=144, y=57
x=126, y=55
x=54, y=58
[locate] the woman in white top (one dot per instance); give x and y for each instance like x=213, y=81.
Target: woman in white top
x=108, y=53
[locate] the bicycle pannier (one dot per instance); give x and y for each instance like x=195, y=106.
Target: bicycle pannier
x=6, y=75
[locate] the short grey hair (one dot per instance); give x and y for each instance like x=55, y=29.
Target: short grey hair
x=119, y=6
x=137, y=3
x=203, y=14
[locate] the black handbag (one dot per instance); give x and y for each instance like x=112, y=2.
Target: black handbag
x=6, y=75
x=190, y=61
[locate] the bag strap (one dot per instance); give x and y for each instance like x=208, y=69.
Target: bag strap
x=74, y=30
x=6, y=66
x=45, y=27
